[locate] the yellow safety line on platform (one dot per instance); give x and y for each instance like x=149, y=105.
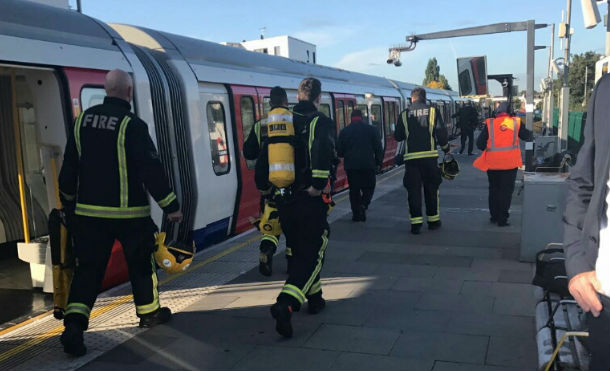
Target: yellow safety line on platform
x=122, y=300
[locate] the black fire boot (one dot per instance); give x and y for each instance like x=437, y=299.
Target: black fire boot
x=315, y=304
x=282, y=312
x=72, y=339
x=157, y=317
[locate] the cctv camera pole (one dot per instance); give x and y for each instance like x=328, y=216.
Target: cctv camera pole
x=608, y=31
x=564, y=99
x=549, y=101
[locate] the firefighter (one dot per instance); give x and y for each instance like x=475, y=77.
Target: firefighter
x=468, y=117
x=269, y=224
x=303, y=211
x=500, y=159
x=422, y=129
x=108, y=162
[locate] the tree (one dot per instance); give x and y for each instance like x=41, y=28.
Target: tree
x=434, y=79
x=576, y=79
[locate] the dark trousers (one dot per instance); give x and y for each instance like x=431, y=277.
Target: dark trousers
x=306, y=228
x=501, y=187
x=423, y=172
x=599, y=337
x=94, y=238
x=361, y=188
x=467, y=134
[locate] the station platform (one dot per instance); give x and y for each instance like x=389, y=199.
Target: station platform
x=452, y=299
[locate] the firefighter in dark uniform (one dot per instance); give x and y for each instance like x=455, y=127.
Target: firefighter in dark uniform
x=422, y=129
x=303, y=211
x=109, y=161
x=252, y=148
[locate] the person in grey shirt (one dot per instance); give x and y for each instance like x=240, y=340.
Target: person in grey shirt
x=586, y=236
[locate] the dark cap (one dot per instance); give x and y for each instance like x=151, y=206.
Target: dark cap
x=357, y=113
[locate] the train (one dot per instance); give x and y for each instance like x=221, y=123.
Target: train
x=200, y=100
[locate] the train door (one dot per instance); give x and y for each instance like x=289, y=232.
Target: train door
x=344, y=104
x=216, y=166
x=390, y=119
x=246, y=101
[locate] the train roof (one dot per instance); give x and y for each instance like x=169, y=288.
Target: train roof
x=29, y=20
x=33, y=21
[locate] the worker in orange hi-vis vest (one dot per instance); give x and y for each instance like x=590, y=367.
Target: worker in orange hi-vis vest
x=500, y=159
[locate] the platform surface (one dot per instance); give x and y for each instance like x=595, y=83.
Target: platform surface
x=452, y=299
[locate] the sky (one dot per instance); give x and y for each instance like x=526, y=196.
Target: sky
x=356, y=34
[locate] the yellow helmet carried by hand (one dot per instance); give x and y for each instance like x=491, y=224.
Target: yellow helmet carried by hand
x=170, y=258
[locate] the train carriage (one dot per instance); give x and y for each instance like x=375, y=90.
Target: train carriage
x=199, y=98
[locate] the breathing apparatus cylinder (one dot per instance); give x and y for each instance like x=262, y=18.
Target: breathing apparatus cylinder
x=280, y=131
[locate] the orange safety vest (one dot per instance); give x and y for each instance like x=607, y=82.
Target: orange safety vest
x=502, y=152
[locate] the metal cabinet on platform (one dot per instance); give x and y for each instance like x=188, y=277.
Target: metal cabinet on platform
x=544, y=200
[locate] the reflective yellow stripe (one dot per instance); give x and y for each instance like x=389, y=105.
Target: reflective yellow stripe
x=167, y=200
x=77, y=132
x=149, y=308
x=312, y=131
x=434, y=218
x=320, y=173
x=318, y=267
x=423, y=154
x=406, y=125
x=315, y=288
x=257, y=131
x=78, y=308
x=288, y=251
x=270, y=237
x=112, y=212
x=294, y=291
x=123, y=180
x=417, y=220
x=431, y=118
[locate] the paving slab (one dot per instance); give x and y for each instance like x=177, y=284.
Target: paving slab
x=368, y=362
x=442, y=346
x=354, y=339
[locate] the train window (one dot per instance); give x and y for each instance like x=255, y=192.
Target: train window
x=350, y=108
x=340, y=115
x=325, y=109
x=217, y=130
x=266, y=106
x=376, y=118
x=390, y=118
x=91, y=96
x=247, y=121
x=365, y=112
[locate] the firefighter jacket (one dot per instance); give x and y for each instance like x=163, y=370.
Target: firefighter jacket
x=314, y=150
x=252, y=145
x=109, y=163
x=422, y=128
x=500, y=143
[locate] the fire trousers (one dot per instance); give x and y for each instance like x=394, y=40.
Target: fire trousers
x=423, y=172
x=94, y=238
x=304, y=222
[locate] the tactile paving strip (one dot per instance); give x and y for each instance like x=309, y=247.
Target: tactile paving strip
x=36, y=346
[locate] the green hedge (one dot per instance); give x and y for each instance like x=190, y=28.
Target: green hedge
x=576, y=122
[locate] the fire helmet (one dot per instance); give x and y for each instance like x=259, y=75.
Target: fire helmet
x=172, y=259
x=449, y=167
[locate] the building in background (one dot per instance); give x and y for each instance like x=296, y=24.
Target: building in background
x=283, y=46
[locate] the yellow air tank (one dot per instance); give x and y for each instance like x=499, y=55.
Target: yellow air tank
x=280, y=131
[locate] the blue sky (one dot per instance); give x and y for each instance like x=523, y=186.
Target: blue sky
x=356, y=34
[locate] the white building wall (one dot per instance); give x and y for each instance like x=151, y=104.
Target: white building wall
x=289, y=47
